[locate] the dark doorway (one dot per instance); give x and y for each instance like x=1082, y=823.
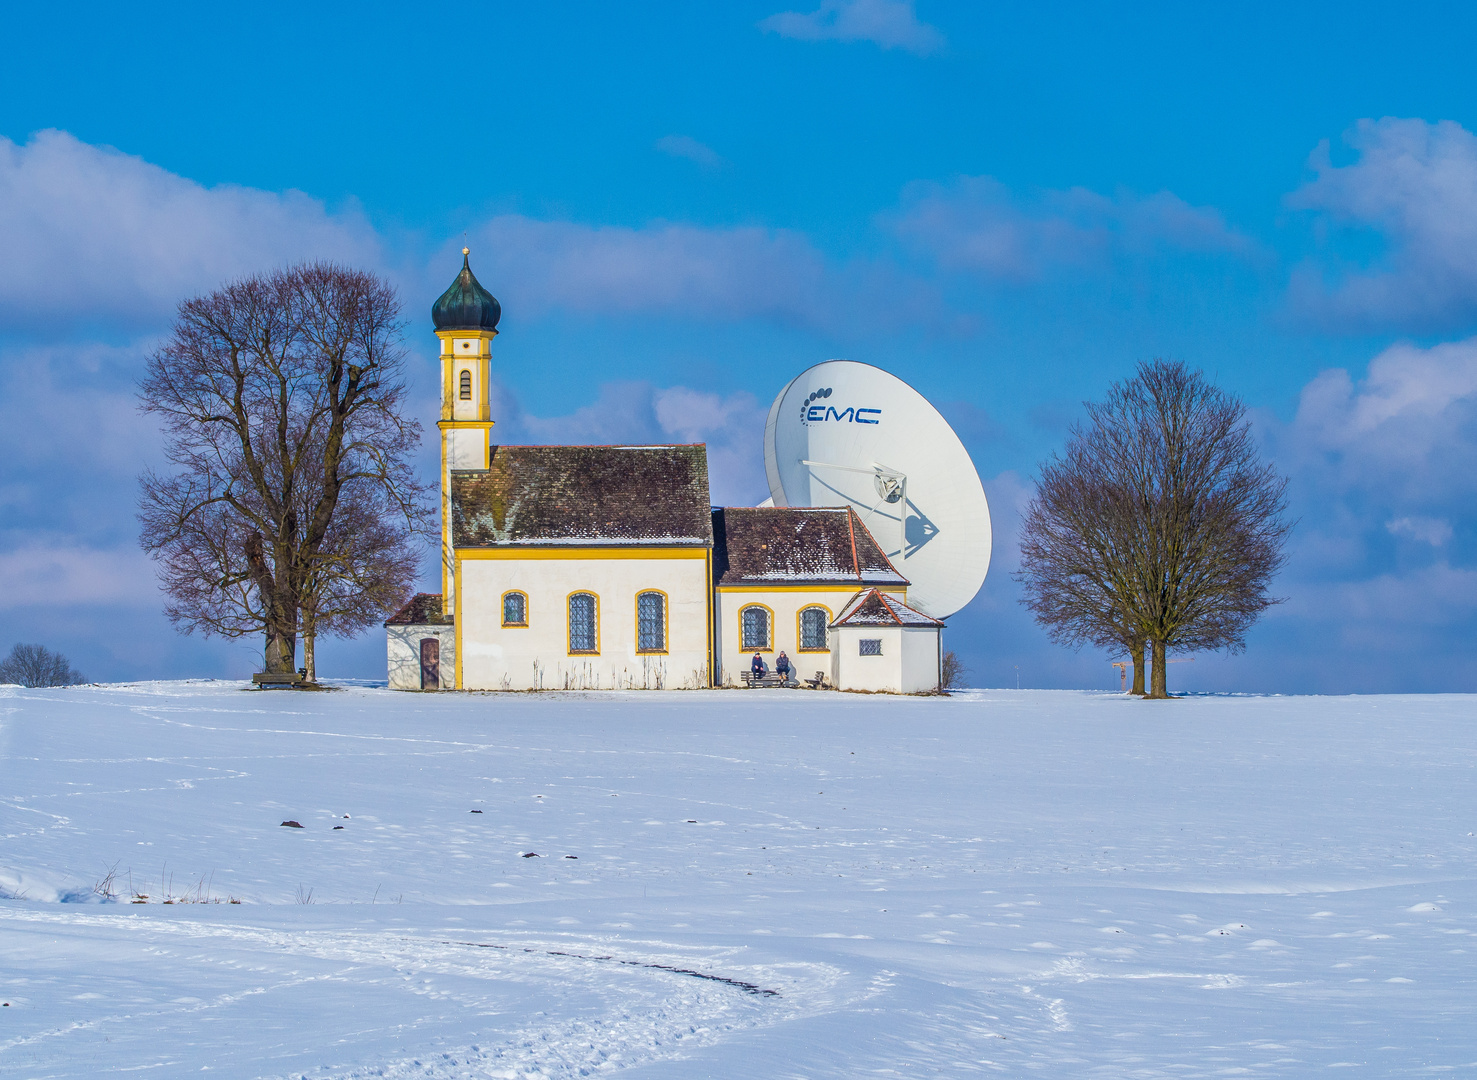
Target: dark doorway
x=430, y=663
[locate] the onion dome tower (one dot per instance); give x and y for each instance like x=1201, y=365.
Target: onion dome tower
x=466, y=318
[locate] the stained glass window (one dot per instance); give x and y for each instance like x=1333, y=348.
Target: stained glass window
x=813, y=628
x=755, y=622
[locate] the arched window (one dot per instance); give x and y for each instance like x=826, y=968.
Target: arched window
x=583, y=623
x=813, y=621
x=651, y=622
x=754, y=627
x=466, y=388
x=515, y=609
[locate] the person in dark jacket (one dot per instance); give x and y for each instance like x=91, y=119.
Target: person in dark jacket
x=757, y=667
x=782, y=666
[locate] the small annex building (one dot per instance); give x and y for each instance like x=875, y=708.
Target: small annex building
x=606, y=567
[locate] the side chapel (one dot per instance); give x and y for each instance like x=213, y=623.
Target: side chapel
x=606, y=567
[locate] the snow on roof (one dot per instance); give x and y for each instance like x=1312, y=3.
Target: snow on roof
x=875, y=608
x=422, y=609
x=595, y=495
x=754, y=544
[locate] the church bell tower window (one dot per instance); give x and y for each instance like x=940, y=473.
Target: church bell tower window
x=466, y=385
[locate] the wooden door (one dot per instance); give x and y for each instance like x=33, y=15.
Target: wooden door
x=430, y=663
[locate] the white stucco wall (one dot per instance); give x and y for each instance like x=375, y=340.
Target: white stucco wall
x=921, y=659
x=405, y=655
x=537, y=657
x=786, y=605
x=908, y=664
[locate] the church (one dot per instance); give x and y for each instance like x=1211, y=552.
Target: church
x=607, y=567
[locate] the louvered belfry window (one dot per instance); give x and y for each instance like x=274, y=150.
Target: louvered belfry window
x=651, y=622
x=466, y=387
x=755, y=623
x=581, y=623
x=813, y=628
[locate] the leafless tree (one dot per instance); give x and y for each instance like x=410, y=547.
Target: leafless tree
x=280, y=396
x=36, y=665
x=952, y=671
x=1159, y=527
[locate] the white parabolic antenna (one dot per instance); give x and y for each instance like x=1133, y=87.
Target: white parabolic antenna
x=844, y=433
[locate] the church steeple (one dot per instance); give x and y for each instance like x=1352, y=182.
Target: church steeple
x=466, y=318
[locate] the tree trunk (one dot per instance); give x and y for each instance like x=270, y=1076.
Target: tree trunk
x=1136, y=652
x=308, y=662
x=1159, y=685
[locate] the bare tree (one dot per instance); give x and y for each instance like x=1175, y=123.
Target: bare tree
x=1158, y=527
x=280, y=397
x=36, y=665
x=952, y=671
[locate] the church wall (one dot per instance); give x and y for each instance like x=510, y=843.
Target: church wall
x=852, y=671
x=537, y=657
x=908, y=664
x=405, y=655
x=920, y=673
x=786, y=603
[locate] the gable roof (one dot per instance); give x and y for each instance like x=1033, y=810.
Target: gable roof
x=422, y=609
x=593, y=495
x=873, y=608
x=798, y=545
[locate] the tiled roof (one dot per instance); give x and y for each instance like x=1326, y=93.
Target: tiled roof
x=423, y=609
x=873, y=608
x=796, y=546
x=593, y=495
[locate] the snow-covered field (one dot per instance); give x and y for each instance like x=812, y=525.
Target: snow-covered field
x=763, y=884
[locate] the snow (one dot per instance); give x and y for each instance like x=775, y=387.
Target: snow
x=766, y=884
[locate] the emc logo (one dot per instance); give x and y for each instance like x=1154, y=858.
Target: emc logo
x=811, y=413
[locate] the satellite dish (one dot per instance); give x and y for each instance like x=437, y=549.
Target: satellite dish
x=844, y=433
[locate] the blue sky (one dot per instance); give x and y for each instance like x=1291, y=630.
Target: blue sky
x=680, y=206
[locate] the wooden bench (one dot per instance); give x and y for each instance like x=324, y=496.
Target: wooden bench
x=818, y=682
x=769, y=678
x=265, y=679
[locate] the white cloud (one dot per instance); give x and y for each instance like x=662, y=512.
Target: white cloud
x=892, y=24
x=1415, y=183
x=89, y=231
x=62, y=574
x=978, y=225
x=685, y=146
x=1428, y=530
x=1381, y=478
x=92, y=234
x=732, y=426
x=687, y=271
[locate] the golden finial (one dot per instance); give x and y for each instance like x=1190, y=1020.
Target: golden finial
x=466, y=251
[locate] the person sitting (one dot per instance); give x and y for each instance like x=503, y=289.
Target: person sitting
x=782, y=666
x=758, y=667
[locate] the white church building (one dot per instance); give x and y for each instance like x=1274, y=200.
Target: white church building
x=607, y=567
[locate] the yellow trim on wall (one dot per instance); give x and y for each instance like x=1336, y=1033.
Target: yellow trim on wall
x=713, y=665
x=743, y=648
x=800, y=629
x=452, y=425
x=666, y=623
x=568, y=645
x=457, y=623
x=633, y=552
x=504, y=610
x=852, y=588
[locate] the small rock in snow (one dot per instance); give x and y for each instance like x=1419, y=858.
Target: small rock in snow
x=531, y=855
x=346, y=817
x=474, y=811
x=571, y=856
x=337, y=827
x=292, y=824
